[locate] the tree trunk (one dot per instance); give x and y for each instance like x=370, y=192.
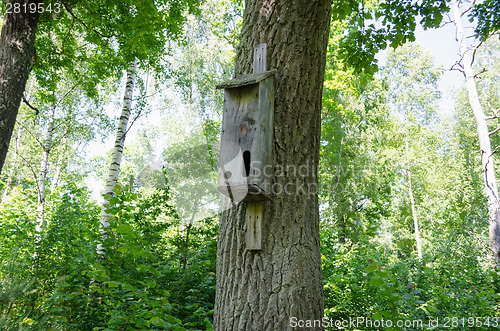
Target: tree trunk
x=414, y=213
x=410, y=190
x=186, y=237
x=269, y=289
x=186, y=248
x=17, y=47
x=58, y=168
x=341, y=224
x=116, y=157
x=490, y=182
x=42, y=177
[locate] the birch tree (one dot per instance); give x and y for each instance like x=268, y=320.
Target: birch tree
x=413, y=96
x=42, y=177
x=467, y=52
x=399, y=20
x=116, y=156
x=416, y=226
x=137, y=30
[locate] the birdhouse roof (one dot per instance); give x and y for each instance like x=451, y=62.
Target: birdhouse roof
x=246, y=79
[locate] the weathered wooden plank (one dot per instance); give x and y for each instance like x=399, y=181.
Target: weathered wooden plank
x=259, y=58
x=253, y=235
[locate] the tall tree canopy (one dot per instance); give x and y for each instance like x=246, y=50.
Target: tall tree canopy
x=372, y=26
x=105, y=36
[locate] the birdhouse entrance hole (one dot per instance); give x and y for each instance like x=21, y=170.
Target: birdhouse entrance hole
x=246, y=162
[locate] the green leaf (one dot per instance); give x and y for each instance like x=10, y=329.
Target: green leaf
x=113, y=201
x=158, y=321
x=124, y=228
x=113, y=283
x=376, y=281
x=154, y=271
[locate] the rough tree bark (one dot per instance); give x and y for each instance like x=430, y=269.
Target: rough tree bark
x=116, y=157
x=488, y=165
x=263, y=290
x=17, y=47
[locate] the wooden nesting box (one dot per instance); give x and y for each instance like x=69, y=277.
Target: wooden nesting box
x=245, y=162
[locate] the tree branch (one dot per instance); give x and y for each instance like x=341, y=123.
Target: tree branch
x=83, y=23
x=66, y=94
x=468, y=9
x=494, y=111
x=449, y=21
x=493, y=132
x=459, y=65
x=37, y=111
x=480, y=73
x=31, y=133
x=475, y=50
x=496, y=149
x=35, y=176
x=65, y=37
x=133, y=121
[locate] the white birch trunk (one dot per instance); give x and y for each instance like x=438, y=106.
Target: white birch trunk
x=42, y=177
x=414, y=213
x=410, y=189
x=58, y=168
x=490, y=183
x=116, y=157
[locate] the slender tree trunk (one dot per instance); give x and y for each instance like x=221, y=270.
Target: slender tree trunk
x=186, y=247
x=410, y=192
x=186, y=237
x=59, y=164
x=414, y=213
x=488, y=166
x=42, y=177
x=16, y=55
x=57, y=172
x=269, y=289
x=116, y=157
x=341, y=224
